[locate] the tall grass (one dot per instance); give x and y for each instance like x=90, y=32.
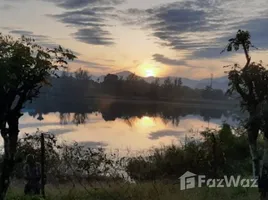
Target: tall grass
x=78, y=172
x=144, y=191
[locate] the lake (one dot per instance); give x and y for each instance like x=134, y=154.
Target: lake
x=123, y=126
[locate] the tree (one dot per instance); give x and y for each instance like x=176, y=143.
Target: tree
x=251, y=83
x=82, y=75
x=154, y=89
x=110, y=83
x=25, y=68
x=168, y=88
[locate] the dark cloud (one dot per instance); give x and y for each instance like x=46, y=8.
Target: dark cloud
x=103, y=9
x=81, y=18
x=22, y=32
x=200, y=27
x=90, y=18
x=165, y=133
x=92, y=65
x=162, y=59
x=44, y=40
x=176, y=25
x=90, y=24
x=172, y=62
x=74, y=4
x=41, y=39
x=94, y=35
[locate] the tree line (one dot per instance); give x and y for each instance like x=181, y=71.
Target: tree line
x=80, y=85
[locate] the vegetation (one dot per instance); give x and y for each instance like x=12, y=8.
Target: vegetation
x=82, y=86
x=144, y=191
x=250, y=82
x=24, y=69
x=77, y=172
x=219, y=153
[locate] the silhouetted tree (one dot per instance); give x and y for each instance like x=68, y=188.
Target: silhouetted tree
x=250, y=82
x=82, y=75
x=25, y=68
x=110, y=83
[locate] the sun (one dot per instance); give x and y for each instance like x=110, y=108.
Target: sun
x=148, y=69
x=150, y=72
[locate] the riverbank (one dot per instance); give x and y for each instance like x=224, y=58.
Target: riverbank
x=180, y=102
x=168, y=101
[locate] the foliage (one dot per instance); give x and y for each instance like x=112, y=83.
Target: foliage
x=132, y=87
x=25, y=68
x=144, y=191
x=64, y=161
x=219, y=153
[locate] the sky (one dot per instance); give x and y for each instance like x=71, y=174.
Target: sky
x=182, y=38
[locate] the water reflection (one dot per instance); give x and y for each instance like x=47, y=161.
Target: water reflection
x=123, y=125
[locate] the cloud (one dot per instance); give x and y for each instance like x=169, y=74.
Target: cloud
x=44, y=40
x=165, y=133
x=174, y=62
x=29, y=34
x=94, y=35
x=92, y=65
x=41, y=39
x=74, y=4
x=164, y=60
x=200, y=27
x=91, y=24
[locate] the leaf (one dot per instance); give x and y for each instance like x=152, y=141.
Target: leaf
x=229, y=48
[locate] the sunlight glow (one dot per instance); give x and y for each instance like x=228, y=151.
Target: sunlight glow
x=148, y=69
x=150, y=72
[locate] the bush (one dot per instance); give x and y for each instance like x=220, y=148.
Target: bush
x=220, y=152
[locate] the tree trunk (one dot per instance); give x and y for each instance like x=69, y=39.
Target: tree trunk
x=253, y=132
x=10, y=136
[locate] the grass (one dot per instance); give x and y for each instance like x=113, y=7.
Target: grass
x=144, y=191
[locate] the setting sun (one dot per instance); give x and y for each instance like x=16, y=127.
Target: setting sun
x=148, y=69
x=149, y=72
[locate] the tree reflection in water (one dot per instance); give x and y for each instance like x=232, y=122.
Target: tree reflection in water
x=128, y=112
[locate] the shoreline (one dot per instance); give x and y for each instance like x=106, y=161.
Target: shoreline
x=180, y=102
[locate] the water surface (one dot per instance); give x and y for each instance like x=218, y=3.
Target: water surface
x=124, y=126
